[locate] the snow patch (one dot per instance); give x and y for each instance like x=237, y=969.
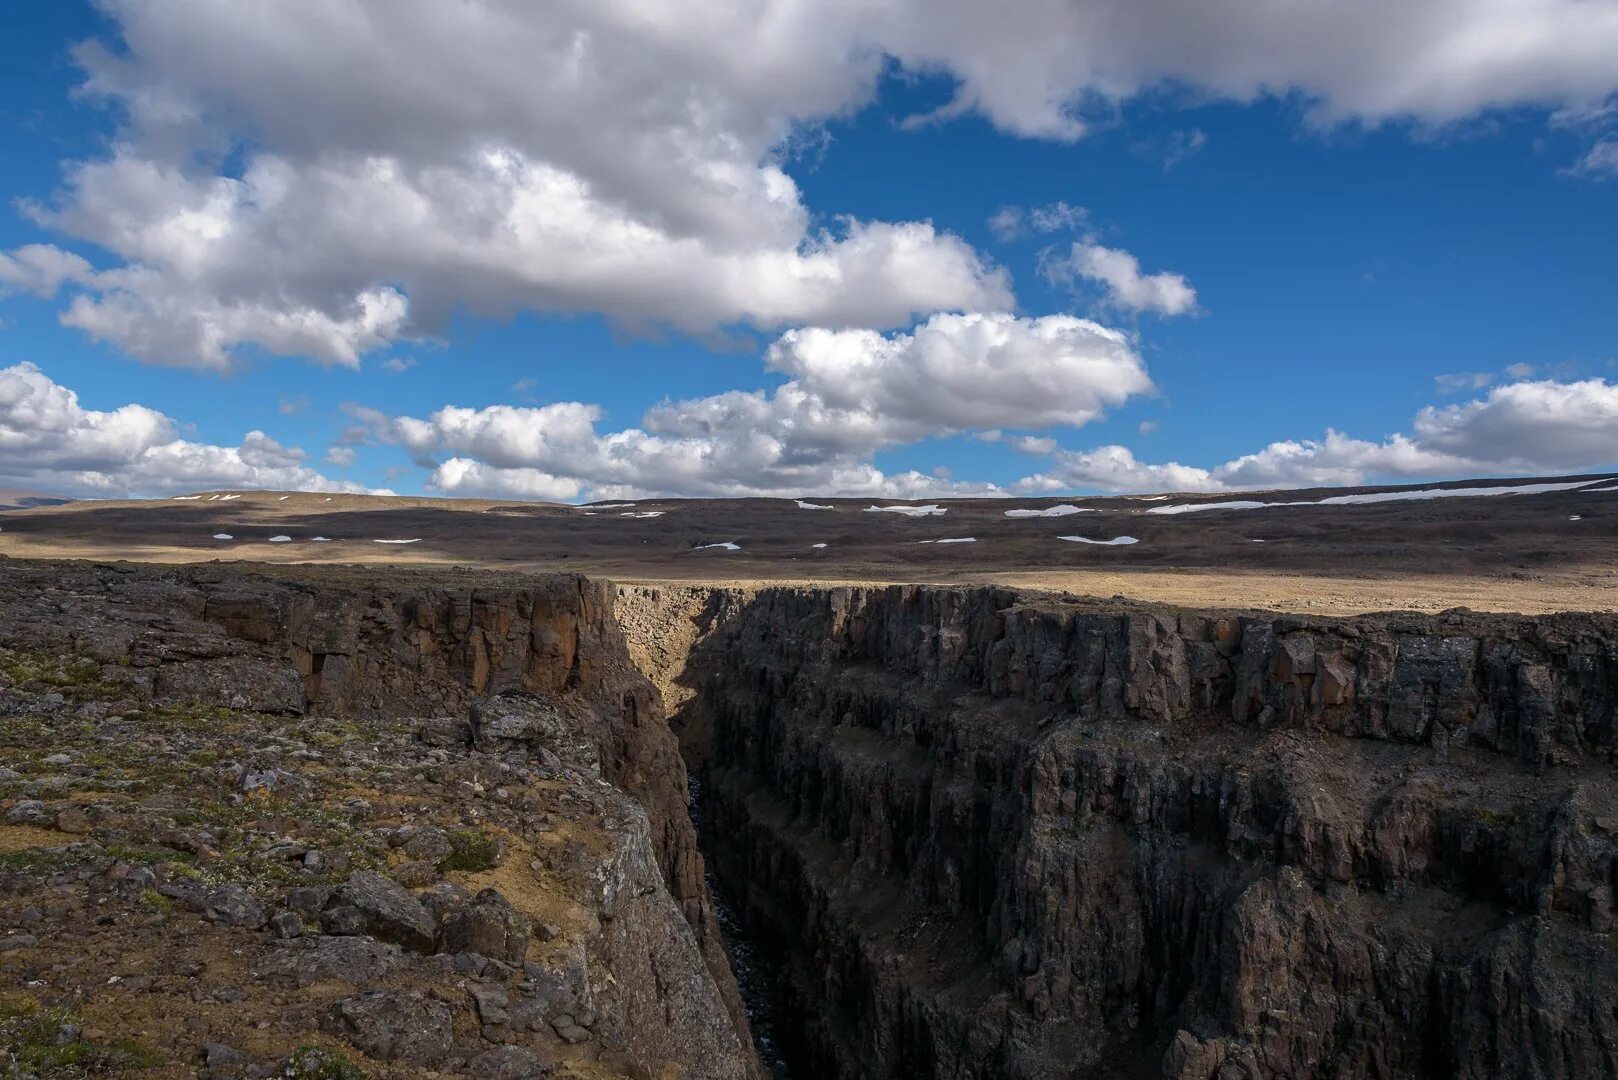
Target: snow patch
x=725, y=544
x=186, y=498
x=1239, y=504
x=613, y=506
x=1380, y=497
x=817, y=545
x=415, y=540
x=1051, y=511
x=1114, y=542
x=643, y=513
x=223, y=536
x=930, y=510
x=951, y=540
x=280, y=539
x=812, y=506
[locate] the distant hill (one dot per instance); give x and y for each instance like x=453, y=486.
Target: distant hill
x=18, y=499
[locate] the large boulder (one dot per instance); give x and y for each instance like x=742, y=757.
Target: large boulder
x=233, y=905
x=358, y=961
x=510, y=1063
x=387, y=910
x=448, y=732
x=394, y=1026
x=490, y=926
x=429, y=843
x=516, y=721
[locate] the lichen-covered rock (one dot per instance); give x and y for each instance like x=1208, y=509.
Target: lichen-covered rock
x=394, y=1026
x=233, y=905
x=445, y=731
x=355, y=960
x=286, y=924
x=386, y=910
x=489, y=926
x=428, y=843
x=235, y=682
x=30, y=812
x=516, y=721
x=205, y=721
x=511, y=1063
x=308, y=900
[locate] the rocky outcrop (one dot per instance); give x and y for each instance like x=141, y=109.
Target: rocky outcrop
x=362, y=742
x=988, y=837
x=977, y=834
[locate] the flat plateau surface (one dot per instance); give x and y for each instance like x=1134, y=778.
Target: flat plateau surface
x=1519, y=545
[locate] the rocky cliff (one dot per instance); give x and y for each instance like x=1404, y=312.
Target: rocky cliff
x=441, y=820
x=325, y=777
x=987, y=837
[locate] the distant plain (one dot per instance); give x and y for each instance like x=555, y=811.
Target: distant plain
x=1532, y=551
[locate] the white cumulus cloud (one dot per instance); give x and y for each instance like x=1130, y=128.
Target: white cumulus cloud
x=1119, y=275
x=1600, y=160
x=849, y=394
x=1010, y=222
x=50, y=442
x=42, y=269
x=325, y=177
x=1526, y=428
x=1115, y=468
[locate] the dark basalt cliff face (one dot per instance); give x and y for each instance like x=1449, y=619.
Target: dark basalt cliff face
x=990, y=838
x=973, y=834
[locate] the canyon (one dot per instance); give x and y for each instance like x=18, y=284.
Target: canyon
x=948, y=831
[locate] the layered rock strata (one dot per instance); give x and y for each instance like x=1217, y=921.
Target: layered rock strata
x=994, y=837
x=437, y=825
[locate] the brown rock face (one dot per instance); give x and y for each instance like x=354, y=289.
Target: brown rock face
x=980, y=835
x=488, y=926
x=987, y=837
x=356, y=645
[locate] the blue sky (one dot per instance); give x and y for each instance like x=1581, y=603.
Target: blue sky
x=1354, y=260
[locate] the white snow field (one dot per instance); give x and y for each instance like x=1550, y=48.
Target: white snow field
x=1051, y=511
x=1379, y=497
x=930, y=510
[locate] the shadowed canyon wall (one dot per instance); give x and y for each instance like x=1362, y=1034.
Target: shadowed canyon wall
x=993, y=838
x=982, y=835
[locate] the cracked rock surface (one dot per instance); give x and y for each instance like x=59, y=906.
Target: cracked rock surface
x=258, y=827
x=988, y=835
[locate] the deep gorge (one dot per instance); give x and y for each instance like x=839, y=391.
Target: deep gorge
x=990, y=836
x=968, y=833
